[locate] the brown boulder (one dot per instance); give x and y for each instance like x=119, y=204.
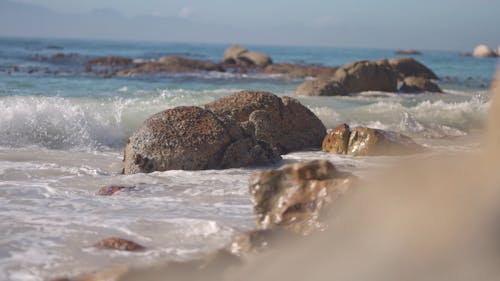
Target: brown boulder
x=282, y=122
x=295, y=196
x=320, y=87
x=364, y=76
x=406, y=67
x=362, y=141
x=300, y=71
x=110, y=61
x=418, y=85
x=192, y=138
x=115, y=243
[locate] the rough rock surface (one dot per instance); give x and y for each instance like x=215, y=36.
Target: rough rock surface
x=300, y=71
x=282, y=122
x=418, y=85
x=115, y=243
x=362, y=141
x=170, y=64
x=295, y=195
x=192, y=138
x=367, y=76
x=320, y=87
x=483, y=51
x=407, y=67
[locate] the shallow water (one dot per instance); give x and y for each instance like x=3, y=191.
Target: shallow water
x=62, y=136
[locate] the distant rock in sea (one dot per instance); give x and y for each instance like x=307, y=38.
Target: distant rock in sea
x=483, y=51
x=238, y=55
x=408, y=52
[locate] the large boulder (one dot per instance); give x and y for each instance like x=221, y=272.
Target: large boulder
x=407, y=67
x=170, y=64
x=282, y=122
x=418, y=85
x=232, y=53
x=321, y=87
x=192, y=138
x=300, y=71
x=295, y=195
x=367, y=76
x=362, y=141
x=483, y=51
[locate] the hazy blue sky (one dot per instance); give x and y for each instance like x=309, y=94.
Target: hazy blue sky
x=428, y=24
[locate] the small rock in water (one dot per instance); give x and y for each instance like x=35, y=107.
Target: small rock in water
x=295, y=195
x=363, y=141
x=115, y=243
x=112, y=189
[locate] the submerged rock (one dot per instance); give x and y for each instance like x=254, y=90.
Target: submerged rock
x=320, y=87
x=418, y=85
x=110, y=61
x=113, y=189
x=364, y=76
x=407, y=67
x=282, y=122
x=362, y=141
x=115, y=243
x=483, y=51
x=192, y=138
x=295, y=195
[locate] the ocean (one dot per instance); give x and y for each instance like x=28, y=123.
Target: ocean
x=63, y=130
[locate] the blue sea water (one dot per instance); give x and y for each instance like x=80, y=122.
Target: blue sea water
x=62, y=133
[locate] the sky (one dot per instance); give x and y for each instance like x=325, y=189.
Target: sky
x=422, y=24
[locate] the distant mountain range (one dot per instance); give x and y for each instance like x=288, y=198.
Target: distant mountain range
x=27, y=20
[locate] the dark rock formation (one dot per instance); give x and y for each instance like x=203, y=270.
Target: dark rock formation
x=282, y=122
x=362, y=141
x=110, y=61
x=418, y=85
x=170, y=64
x=295, y=196
x=321, y=87
x=115, y=243
x=192, y=138
x=300, y=71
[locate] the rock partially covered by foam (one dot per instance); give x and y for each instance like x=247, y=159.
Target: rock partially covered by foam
x=296, y=195
x=192, y=138
x=282, y=122
x=363, y=141
x=120, y=244
x=483, y=51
